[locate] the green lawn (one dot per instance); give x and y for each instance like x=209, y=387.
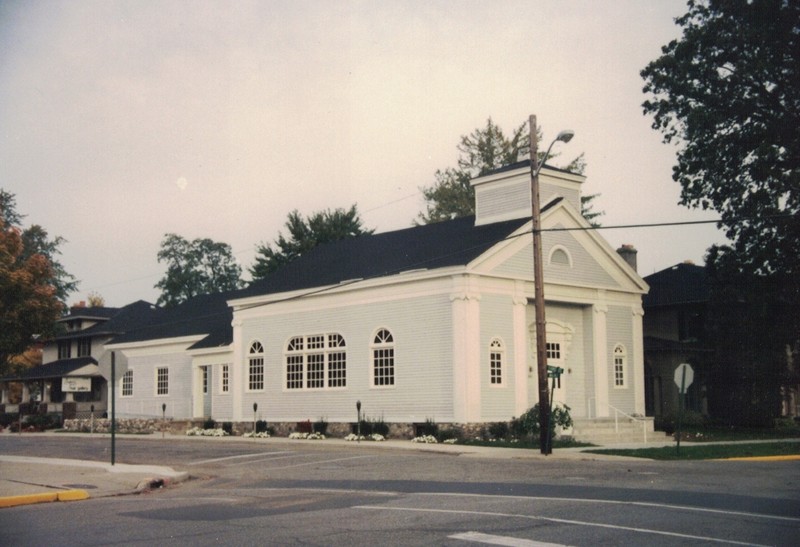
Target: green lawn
x=708, y=452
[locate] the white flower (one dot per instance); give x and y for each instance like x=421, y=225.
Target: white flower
x=377, y=437
x=259, y=435
x=428, y=439
x=450, y=441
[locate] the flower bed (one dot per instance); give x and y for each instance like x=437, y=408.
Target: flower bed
x=200, y=432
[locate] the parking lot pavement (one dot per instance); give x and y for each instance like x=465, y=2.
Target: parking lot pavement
x=25, y=480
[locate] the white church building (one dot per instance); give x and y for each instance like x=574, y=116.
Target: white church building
x=433, y=322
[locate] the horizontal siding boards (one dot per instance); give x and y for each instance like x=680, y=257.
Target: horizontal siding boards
x=145, y=403
x=584, y=270
x=497, y=402
x=422, y=331
x=620, y=331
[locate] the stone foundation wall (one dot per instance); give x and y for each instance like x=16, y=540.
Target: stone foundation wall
x=399, y=431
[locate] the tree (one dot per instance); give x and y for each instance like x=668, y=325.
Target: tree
x=726, y=94
x=485, y=149
x=201, y=266
x=35, y=240
x=28, y=302
x=304, y=235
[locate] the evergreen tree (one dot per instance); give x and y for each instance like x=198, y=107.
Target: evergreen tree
x=304, y=234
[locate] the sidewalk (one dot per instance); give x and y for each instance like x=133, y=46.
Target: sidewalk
x=25, y=480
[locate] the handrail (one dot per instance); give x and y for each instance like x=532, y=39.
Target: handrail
x=617, y=412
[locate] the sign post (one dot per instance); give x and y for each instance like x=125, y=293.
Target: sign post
x=684, y=376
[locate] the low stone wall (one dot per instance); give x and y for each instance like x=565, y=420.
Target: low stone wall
x=133, y=426
x=139, y=426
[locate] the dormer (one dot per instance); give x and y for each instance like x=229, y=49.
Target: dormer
x=505, y=194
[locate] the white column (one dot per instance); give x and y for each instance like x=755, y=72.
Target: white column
x=600, y=354
x=197, y=392
x=637, y=365
x=236, y=378
x=466, y=354
x=521, y=343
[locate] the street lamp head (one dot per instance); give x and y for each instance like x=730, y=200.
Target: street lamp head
x=566, y=135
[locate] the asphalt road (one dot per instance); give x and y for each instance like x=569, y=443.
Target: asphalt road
x=313, y=493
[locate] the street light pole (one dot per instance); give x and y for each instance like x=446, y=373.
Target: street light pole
x=538, y=284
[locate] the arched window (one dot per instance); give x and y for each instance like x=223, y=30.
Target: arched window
x=620, y=364
x=382, y=359
x=127, y=384
x=560, y=255
x=316, y=361
x=496, y=358
x=255, y=376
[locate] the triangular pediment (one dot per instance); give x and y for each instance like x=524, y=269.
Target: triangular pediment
x=573, y=254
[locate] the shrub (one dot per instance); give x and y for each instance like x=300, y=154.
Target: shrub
x=209, y=423
x=450, y=434
x=528, y=423
x=7, y=418
x=261, y=426
x=379, y=427
x=321, y=426
x=227, y=427
x=428, y=429
x=498, y=430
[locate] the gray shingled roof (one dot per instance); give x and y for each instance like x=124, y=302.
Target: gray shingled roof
x=679, y=284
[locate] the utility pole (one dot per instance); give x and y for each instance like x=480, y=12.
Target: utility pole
x=538, y=291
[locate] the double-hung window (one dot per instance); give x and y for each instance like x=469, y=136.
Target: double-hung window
x=255, y=376
x=383, y=374
x=620, y=362
x=127, y=384
x=162, y=381
x=496, y=362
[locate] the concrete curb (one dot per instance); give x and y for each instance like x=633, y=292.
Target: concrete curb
x=46, y=497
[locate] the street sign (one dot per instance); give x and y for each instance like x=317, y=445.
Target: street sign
x=684, y=376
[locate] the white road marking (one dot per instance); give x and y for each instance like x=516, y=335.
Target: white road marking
x=321, y=462
x=617, y=502
x=201, y=462
x=477, y=537
x=560, y=521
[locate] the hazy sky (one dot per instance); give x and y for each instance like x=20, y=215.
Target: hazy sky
x=121, y=121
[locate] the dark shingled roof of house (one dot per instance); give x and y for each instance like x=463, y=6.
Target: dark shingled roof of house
x=114, y=320
x=451, y=243
x=56, y=369
x=680, y=284
x=439, y=245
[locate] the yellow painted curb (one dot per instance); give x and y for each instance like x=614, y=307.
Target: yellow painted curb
x=73, y=495
x=787, y=458
x=28, y=499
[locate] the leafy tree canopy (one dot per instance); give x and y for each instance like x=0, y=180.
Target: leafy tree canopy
x=727, y=94
x=28, y=302
x=201, y=266
x=485, y=149
x=304, y=234
x=35, y=240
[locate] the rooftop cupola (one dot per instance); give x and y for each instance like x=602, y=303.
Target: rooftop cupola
x=505, y=193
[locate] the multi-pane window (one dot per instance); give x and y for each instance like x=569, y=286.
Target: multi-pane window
x=162, y=381
x=64, y=349
x=620, y=359
x=205, y=380
x=317, y=361
x=496, y=362
x=127, y=384
x=383, y=359
x=84, y=347
x=554, y=351
x=225, y=379
x=255, y=375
